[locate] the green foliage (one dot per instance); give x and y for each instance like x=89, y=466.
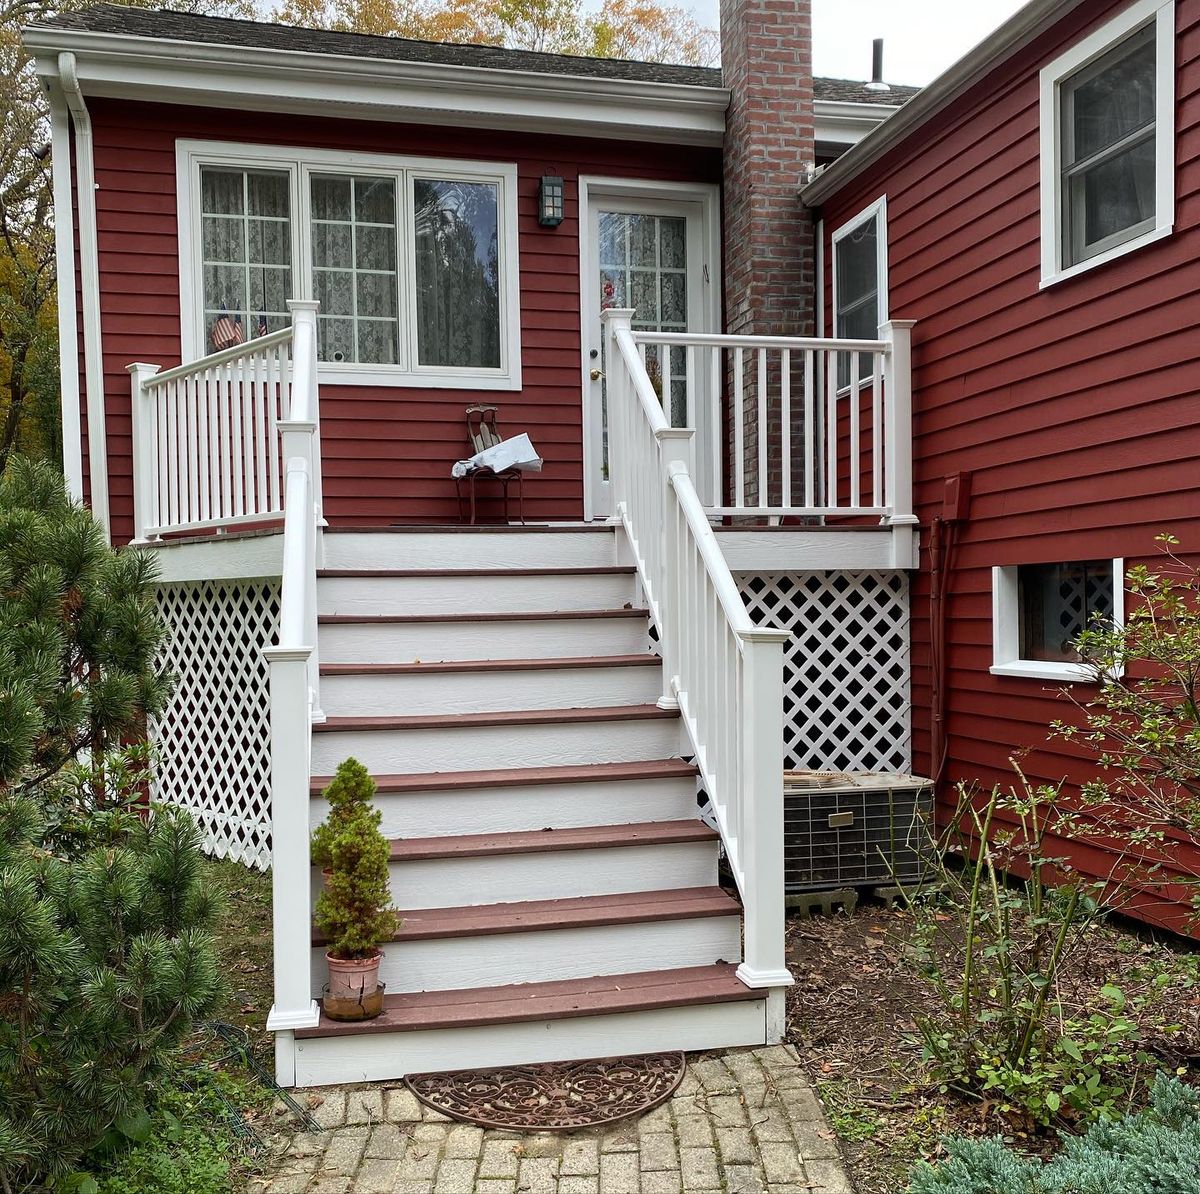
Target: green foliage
x=1000, y=1030
x=1142, y=724
x=1156, y=1151
x=105, y=965
x=354, y=910
x=79, y=631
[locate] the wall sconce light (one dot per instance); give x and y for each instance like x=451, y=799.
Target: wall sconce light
x=551, y=201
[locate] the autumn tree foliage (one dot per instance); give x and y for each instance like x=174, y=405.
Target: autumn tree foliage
x=637, y=29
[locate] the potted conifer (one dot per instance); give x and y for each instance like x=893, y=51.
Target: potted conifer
x=354, y=910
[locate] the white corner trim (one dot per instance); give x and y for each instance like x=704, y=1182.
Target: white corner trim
x=68, y=328
x=876, y=211
x=89, y=265
x=300, y=164
x=1006, y=660
x=1051, y=76
x=258, y=79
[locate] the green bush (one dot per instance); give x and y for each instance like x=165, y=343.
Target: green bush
x=1156, y=1151
x=354, y=910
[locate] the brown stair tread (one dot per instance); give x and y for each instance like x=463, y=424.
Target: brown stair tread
x=634, y=907
x=475, y=1007
x=523, y=777
x=538, y=841
x=575, y=570
x=504, y=717
x=553, y=615
x=563, y=663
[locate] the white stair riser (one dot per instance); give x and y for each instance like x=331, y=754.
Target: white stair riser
x=471, y=594
x=482, y=748
x=515, y=810
x=489, y=692
x=377, y=1057
x=500, y=959
x=450, y=549
x=552, y=875
x=435, y=642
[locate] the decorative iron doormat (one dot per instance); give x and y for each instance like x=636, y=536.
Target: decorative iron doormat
x=558, y=1096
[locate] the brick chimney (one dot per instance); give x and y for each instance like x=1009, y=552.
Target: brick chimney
x=766, y=55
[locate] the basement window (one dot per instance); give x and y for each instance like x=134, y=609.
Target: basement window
x=860, y=288
x=1107, y=142
x=1039, y=611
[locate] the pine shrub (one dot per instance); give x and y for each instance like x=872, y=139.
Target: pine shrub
x=355, y=909
x=1156, y=1151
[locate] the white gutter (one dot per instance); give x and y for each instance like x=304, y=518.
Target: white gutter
x=199, y=73
x=1014, y=35
x=64, y=260
x=89, y=268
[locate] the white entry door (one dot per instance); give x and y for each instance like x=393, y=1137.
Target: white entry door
x=654, y=255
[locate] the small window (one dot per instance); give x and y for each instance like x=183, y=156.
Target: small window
x=1040, y=610
x=860, y=296
x=1107, y=142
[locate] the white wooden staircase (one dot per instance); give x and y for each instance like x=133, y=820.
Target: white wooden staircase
x=558, y=888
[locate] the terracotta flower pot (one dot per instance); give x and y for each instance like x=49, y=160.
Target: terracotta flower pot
x=353, y=978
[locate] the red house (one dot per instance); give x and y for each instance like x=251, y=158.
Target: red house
x=299, y=256
x=1034, y=212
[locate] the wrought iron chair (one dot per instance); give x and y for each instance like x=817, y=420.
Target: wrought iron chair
x=483, y=432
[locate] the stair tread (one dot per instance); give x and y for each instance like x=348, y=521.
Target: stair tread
x=560, y=663
x=537, y=841
x=554, y=615
x=479, y=920
x=503, y=777
x=570, y=998
x=572, y=570
x=512, y=717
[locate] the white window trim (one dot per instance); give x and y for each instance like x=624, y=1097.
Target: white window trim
x=1006, y=633
x=876, y=211
x=300, y=163
x=1094, y=46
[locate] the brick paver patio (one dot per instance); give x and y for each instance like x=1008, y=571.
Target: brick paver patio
x=742, y=1122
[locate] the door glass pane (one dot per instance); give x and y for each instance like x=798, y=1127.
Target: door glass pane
x=643, y=264
x=458, y=273
x=857, y=309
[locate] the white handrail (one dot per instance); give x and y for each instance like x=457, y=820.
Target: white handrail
x=723, y=673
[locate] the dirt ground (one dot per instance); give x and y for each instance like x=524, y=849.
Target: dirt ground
x=853, y=1014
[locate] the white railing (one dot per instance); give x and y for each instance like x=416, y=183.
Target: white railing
x=294, y=688
x=206, y=435
x=814, y=427
x=723, y=673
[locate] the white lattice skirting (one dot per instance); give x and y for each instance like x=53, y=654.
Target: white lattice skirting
x=847, y=699
x=214, y=738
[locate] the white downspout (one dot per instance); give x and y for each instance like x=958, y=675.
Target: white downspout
x=89, y=270
x=64, y=257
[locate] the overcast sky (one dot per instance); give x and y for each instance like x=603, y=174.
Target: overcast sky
x=921, y=37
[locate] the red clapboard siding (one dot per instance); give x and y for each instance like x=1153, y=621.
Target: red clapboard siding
x=1073, y=408
x=387, y=451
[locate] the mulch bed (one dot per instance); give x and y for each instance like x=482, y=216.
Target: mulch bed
x=853, y=1017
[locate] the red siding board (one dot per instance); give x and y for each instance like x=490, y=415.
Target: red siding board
x=388, y=451
x=1074, y=407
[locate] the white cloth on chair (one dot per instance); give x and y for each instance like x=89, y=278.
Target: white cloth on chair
x=517, y=453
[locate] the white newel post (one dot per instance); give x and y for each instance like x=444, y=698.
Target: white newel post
x=898, y=447
x=144, y=426
x=304, y=365
x=616, y=319
x=765, y=964
x=676, y=448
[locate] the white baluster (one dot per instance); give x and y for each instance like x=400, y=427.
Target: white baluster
x=739, y=452
x=764, y=480
x=810, y=428
x=852, y=456
x=785, y=414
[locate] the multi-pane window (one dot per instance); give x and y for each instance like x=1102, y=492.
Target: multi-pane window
x=414, y=268
x=643, y=265
x=457, y=238
x=354, y=263
x=246, y=253
x=1057, y=602
x=1108, y=140
x=860, y=298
